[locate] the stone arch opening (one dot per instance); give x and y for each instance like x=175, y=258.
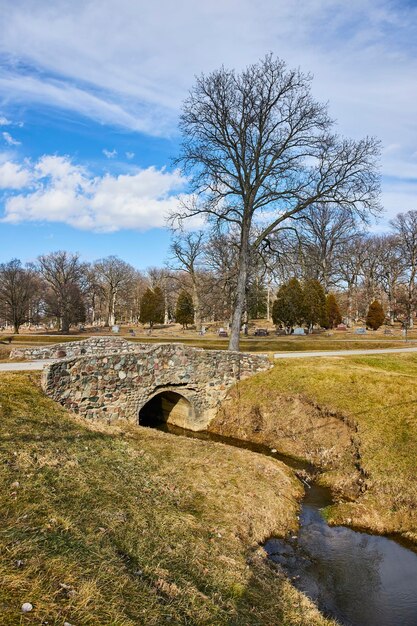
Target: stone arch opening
x=166, y=407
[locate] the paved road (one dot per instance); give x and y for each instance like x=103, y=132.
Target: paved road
x=23, y=367
x=300, y=355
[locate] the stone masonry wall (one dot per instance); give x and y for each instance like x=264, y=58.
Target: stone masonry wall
x=90, y=346
x=117, y=386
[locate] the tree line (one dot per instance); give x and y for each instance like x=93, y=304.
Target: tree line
x=307, y=304
x=60, y=291
x=288, y=282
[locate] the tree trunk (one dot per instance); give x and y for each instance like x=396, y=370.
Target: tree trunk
x=16, y=327
x=391, y=306
x=349, y=306
x=93, y=310
x=166, y=313
x=391, y=314
x=196, y=304
x=410, y=302
x=65, y=324
x=112, y=314
x=268, y=302
x=240, y=289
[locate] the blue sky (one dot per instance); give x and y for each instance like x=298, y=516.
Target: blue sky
x=90, y=92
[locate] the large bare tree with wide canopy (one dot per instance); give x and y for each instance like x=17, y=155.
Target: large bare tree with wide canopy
x=259, y=151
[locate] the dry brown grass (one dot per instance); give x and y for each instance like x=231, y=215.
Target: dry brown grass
x=4, y=352
x=355, y=417
x=127, y=526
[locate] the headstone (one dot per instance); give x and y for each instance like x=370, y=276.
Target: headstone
x=299, y=331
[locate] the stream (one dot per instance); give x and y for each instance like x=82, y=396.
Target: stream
x=357, y=578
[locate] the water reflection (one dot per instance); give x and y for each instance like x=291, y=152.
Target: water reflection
x=360, y=579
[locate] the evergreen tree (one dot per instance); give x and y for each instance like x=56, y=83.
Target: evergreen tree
x=376, y=315
x=332, y=311
x=152, y=307
x=314, y=304
x=256, y=299
x=288, y=307
x=184, y=313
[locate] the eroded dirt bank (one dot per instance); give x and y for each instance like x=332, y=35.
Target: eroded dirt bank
x=354, y=418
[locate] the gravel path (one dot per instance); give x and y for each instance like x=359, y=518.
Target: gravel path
x=23, y=367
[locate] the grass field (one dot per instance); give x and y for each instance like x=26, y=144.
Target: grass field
x=126, y=526
x=356, y=417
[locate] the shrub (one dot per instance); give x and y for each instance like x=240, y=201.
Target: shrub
x=376, y=315
x=184, y=313
x=332, y=311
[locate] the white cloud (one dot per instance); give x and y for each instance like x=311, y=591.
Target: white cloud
x=132, y=63
x=102, y=106
x=64, y=192
x=129, y=155
x=13, y=176
x=10, y=140
x=4, y=121
x=110, y=154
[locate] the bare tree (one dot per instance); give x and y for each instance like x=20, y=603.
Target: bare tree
x=62, y=271
x=17, y=287
x=324, y=230
x=164, y=280
x=405, y=227
x=187, y=251
x=390, y=269
x=372, y=255
x=131, y=301
x=115, y=276
x=350, y=261
x=75, y=311
x=94, y=294
x=222, y=252
x=259, y=151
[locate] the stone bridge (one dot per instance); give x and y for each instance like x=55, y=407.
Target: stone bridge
x=90, y=346
x=161, y=382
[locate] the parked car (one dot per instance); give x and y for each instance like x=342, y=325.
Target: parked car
x=261, y=332
x=222, y=333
